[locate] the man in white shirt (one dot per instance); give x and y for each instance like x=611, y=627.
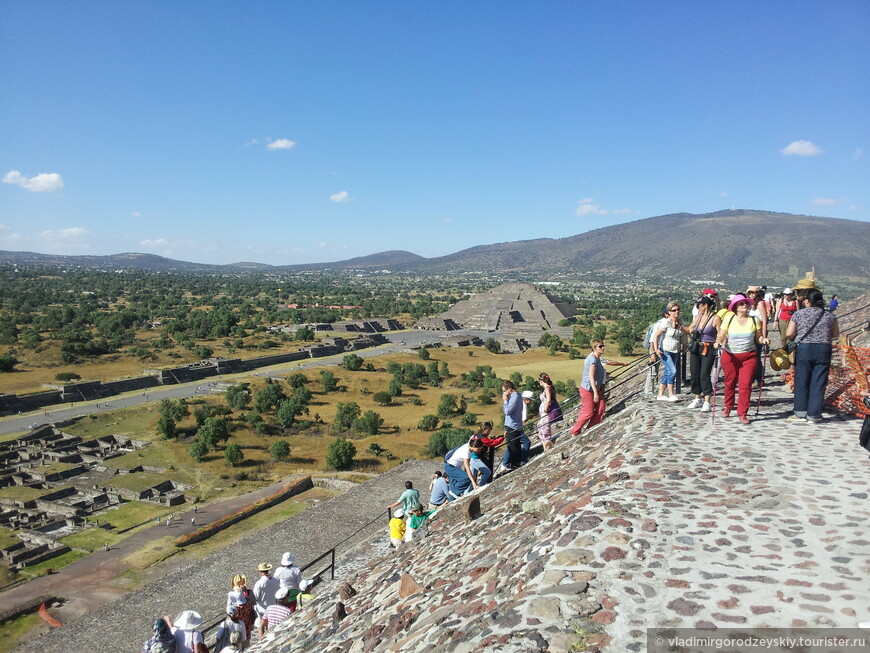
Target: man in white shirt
x=264, y=589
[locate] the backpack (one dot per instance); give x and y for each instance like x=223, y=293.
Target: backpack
x=647, y=339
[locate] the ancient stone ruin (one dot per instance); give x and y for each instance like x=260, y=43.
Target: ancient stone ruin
x=50, y=481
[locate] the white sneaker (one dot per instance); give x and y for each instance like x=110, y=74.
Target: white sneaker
x=705, y=408
x=662, y=398
x=696, y=403
x=672, y=398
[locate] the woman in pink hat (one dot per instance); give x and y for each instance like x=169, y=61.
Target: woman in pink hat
x=737, y=338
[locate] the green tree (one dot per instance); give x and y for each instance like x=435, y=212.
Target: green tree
x=447, y=406
x=428, y=423
x=213, y=432
x=382, y=398
x=424, y=354
x=304, y=334
x=468, y=419
x=395, y=388
x=238, y=396
x=352, y=362
x=368, y=423
x=444, y=440
x=166, y=427
x=289, y=410
x=345, y=414
x=486, y=396
x=626, y=346
x=297, y=380
x=268, y=398
x=233, y=455
x=198, y=450
x=492, y=345
x=340, y=454
x=327, y=378
x=279, y=450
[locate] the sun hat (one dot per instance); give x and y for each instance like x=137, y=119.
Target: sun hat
x=708, y=292
x=264, y=566
x=753, y=289
x=188, y=620
x=305, y=584
x=282, y=593
x=399, y=513
x=779, y=360
x=287, y=559
x=239, y=580
x=528, y=394
x=805, y=284
x=738, y=299
x=787, y=291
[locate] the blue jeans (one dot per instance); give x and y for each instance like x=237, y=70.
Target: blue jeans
x=457, y=479
x=811, y=367
x=477, y=465
x=669, y=363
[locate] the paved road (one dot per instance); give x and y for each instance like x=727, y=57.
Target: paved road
x=400, y=341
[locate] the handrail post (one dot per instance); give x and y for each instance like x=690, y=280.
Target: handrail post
x=332, y=568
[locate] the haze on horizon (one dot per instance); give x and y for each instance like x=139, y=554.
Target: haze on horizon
x=288, y=133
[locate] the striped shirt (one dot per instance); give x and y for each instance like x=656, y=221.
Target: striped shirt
x=275, y=614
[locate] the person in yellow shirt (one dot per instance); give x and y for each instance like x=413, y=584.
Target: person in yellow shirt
x=397, y=528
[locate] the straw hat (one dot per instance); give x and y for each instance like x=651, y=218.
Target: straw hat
x=805, y=284
x=188, y=620
x=779, y=360
x=239, y=580
x=264, y=566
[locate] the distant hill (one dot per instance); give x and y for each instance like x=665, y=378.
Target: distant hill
x=742, y=245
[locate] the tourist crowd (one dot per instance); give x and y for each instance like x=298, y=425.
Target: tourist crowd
x=272, y=599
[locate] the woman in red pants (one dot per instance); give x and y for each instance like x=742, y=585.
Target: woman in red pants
x=737, y=339
x=591, y=389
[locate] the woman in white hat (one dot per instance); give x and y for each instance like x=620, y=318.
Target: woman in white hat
x=288, y=574
x=187, y=638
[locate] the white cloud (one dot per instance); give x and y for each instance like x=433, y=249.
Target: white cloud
x=587, y=206
x=136, y=214
x=853, y=207
x=63, y=240
x=825, y=201
x=156, y=242
x=857, y=154
x=621, y=211
x=45, y=182
x=341, y=196
x=253, y=141
x=447, y=220
x=723, y=194
x=7, y=237
x=281, y=144
x=321, y=244
x=801, y=148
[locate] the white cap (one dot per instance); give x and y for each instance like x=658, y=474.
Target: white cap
x=528, y=394
x=787, y=291
x=282, y=593
x=399, y=513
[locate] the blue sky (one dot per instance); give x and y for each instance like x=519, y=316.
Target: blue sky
x=295, y=132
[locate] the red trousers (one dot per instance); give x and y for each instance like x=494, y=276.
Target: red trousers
x=739, y=371
x=590, y=411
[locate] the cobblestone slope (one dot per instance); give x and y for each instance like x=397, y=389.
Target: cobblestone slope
x=202, y=586
x=659, y=518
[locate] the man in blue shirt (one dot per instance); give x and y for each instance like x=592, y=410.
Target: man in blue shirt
x=513, y=422
x=439, y=493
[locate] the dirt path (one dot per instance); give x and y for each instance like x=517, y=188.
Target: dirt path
x=90, y=582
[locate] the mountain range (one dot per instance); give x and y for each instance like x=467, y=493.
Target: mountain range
x=747, y=245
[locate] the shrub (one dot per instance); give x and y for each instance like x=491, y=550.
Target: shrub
x=66, y=376
x=368, y=424
x=352, y=362
x=469, y=419
x=340, y=454
x=424, y=354
x=444, y=440
x=345, y=414
x=233, y=455
x=279, y=450
x=428, y=423
x=382, y=398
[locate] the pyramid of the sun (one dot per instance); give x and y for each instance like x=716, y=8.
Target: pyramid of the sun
x=511, y=308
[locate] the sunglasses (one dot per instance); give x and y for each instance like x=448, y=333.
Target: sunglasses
x=673, y=310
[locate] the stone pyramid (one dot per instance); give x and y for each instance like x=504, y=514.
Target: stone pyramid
x=511, y=308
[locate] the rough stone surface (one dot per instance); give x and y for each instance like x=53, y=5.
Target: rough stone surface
x=759, y=525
